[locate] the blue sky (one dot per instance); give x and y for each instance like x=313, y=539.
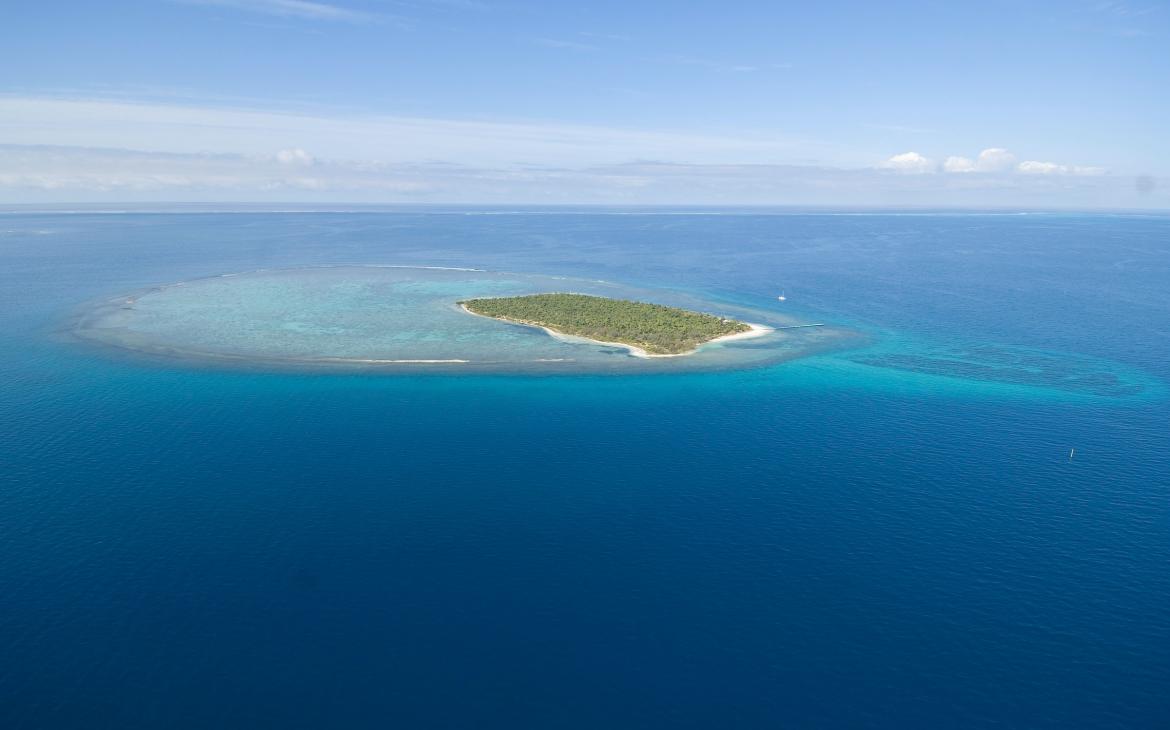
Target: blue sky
x=1061, y=104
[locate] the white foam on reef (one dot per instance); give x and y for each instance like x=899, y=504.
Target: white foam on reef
x=383, y=316
x=392, y=362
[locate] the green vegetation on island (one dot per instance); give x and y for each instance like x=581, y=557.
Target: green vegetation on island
x=655, y=328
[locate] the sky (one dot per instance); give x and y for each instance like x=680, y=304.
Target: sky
x=982, y=104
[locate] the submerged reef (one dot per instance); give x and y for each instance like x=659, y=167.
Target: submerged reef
x=410, y=318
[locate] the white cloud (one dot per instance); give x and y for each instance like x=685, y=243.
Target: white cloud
x=959, y=164
x=113, y=170
x=294, y=156
x=77, y=150
x=71, y=174
x=303, y=9
x=195, y=129
x=995, y=159
x=999, y=160
x=1034, y=167
x=910, y=162
x=992, y=159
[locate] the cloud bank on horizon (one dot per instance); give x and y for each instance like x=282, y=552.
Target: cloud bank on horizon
x=470, y=101
x=990, y=160
x=78, y=151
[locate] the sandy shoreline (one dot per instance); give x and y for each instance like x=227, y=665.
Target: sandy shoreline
x=757, y=330
x=379, y=361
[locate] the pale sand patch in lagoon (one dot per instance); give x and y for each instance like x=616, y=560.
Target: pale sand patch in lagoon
x=379, y=361
x=391, y=319
x=757, y=330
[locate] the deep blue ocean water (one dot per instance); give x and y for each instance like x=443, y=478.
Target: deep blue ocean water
x=888, y=536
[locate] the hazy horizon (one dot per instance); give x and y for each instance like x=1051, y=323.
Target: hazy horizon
x=1055, y=105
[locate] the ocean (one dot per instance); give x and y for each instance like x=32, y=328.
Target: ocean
x=890, y=534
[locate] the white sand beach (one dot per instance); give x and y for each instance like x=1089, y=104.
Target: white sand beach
x=757, y=330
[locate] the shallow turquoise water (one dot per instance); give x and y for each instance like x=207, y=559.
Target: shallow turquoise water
x=394, y=318
x=891, y=535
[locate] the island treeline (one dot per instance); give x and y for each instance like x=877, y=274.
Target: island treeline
x=655, y=328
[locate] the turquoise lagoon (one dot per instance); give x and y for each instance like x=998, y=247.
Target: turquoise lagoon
x=406, y=319
x=201, y=525
x=395, y=318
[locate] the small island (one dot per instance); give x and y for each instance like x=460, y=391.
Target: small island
x=646, y=330
x=408, y=319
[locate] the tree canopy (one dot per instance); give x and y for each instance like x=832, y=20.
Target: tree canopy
x=655, y=328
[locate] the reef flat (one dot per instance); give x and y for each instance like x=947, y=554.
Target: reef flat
x=410, y=318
